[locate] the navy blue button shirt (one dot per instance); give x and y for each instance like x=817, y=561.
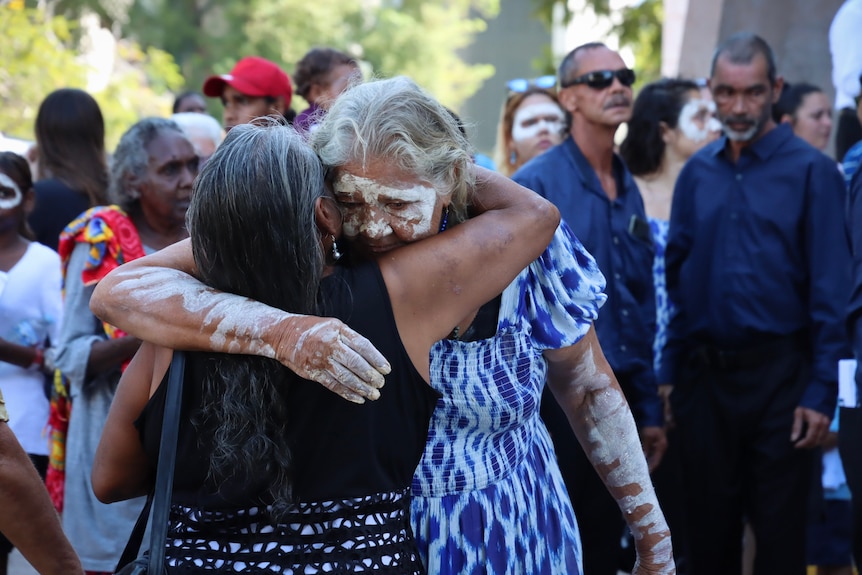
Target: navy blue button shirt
x=626, y=323
x=758, y=249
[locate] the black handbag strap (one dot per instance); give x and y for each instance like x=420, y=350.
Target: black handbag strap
x=160, y=497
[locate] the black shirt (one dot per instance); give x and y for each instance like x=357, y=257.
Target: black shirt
x=56, y=205
x=339, y=449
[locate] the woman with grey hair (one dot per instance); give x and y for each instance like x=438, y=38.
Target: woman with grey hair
x=150, y=183
x=487, y=494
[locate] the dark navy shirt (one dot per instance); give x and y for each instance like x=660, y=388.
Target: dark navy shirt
x=757, y=249
x=617, y=234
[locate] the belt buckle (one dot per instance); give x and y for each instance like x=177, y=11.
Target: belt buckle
x=714, y=357
x=722, y=359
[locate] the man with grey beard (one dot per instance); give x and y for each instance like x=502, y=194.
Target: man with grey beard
x=598, y=198
x=758, y=271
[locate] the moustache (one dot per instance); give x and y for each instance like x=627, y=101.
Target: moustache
x=618, y=101
x=747, y=120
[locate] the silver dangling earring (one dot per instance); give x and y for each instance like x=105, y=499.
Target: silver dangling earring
x=336, y=255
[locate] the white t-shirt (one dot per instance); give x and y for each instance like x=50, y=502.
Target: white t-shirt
x=845, y=44
x=31, y=309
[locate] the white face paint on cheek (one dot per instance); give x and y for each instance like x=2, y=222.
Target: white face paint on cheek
x=686, y=120
x=541, y=113
x=375, y=220
x=17, y=196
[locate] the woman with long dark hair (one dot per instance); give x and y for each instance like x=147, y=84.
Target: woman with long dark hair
x=72, y=173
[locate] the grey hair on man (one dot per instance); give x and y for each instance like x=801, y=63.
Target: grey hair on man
x=569, y=66
x=396, y=122
x=741, y=48
x=131, y=158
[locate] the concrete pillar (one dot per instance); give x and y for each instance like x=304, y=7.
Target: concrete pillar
x=797, y=30
x=513, y=41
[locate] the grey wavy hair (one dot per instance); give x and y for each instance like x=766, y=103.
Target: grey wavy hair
x=397, y=122
x=131, y=158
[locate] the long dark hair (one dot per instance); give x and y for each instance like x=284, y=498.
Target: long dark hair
x=17, y=168
x=253, y=233
x=70, y=136
x=658, y=102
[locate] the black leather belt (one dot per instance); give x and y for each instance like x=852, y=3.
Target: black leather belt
x=715, y=357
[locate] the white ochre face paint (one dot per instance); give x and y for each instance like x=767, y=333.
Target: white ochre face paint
x=7, y=200
x=695, y=132
x=530, y=121
x=375, y=210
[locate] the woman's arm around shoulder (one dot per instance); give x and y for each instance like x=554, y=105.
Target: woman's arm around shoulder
x=158, y=299
x=436, y=282
x=585, y=387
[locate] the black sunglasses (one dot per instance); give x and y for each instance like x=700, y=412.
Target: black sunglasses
x=601, y=79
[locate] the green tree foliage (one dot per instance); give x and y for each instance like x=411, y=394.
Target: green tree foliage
x=37, y=58
x=42, y=53
x=420, y=38
x=638, y=27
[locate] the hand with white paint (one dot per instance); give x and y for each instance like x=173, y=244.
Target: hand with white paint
x=327, y=351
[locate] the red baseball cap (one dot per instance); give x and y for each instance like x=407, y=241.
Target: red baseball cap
x=253, y=76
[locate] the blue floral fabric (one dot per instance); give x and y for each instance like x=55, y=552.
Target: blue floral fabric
x=663, y=306
x=488, y=497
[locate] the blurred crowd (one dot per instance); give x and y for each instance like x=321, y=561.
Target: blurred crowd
x=726, y=236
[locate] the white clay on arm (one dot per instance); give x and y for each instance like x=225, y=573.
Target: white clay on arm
x=173, y=309
x=602, y=420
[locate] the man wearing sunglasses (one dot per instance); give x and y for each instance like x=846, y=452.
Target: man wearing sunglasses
x=758, y=269
x=598, y=198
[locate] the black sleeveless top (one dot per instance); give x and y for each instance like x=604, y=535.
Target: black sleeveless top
x=350, y=463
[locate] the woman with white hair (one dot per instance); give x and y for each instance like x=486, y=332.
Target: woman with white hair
x=204, y=132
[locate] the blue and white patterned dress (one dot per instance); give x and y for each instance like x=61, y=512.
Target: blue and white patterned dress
x=488, y=497
x=663, y=307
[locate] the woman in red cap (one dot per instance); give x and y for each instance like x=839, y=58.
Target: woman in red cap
x=255, y=87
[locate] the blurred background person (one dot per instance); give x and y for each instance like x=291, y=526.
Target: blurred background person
x=670, y=121
x=254, y=87
x=151, y=181
x=845, y=44
x=320, y=77
x=830, y=523
x=203, y=130
x=853, y=157
x=806, y=108
x=190, y=101
x=30, y=313
x=72, y=173
x=531, y=122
